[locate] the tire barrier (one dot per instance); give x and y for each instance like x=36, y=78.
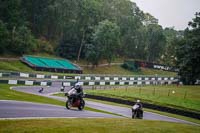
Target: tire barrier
x=186, y=113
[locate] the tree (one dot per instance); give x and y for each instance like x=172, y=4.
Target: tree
x=155, y=42
x=172, y=38
x=93, y=54
x=11, y=13
x=4, y=35
x=22, y=41
x=107, y=37
x=188, y=53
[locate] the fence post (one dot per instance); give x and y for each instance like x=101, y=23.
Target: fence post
x=168, y=92
x=154, y=91
x=185, y=95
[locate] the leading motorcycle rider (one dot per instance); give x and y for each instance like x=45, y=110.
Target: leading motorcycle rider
x=79, y=90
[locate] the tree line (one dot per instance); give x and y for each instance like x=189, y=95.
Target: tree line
x=94, y=30
x=86, y=29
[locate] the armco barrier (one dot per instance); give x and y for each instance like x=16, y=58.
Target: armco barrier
x=25, y=82
x=72, y=82
x=147, y=105
x=97, y=79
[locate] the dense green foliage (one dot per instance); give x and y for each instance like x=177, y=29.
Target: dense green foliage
x=73, y=29
x=188, y=52
x=105, y=43
x=96, y=30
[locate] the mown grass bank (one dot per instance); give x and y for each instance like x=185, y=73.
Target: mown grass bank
x=118, y=70
x=115, y=69
x=94, y=126
x=182, y=97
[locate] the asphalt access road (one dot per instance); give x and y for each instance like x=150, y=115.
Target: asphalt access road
x=19, y=109
x=110, y=108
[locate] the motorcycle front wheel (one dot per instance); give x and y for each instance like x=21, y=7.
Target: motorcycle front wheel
x=82, y=105
x=134, y=114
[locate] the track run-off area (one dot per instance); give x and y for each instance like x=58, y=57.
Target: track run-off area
x=26, y=110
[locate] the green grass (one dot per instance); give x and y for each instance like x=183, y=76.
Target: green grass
x=94, y=126
x=115, y=69
x=7, y=94
x=160, y=95
x=118, y=70
x=14, y=66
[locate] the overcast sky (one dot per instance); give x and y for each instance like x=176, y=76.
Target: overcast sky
x=171, y=13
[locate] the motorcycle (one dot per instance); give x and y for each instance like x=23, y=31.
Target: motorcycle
x=137, y=112
x=74, y=100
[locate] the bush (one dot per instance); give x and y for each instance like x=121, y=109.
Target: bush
x=44, y=46
x=22, y=41
x=130, y=65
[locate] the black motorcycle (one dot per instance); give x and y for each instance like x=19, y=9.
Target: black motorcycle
x=74, y=100
x=137, y=112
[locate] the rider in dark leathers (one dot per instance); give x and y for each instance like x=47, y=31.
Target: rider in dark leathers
x=140, y=111
x=79, y=90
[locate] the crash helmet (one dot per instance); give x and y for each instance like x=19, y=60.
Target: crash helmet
x=138, y=101
x=77, y=85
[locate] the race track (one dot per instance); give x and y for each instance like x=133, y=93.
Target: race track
x=41, y=110
x=19, y=109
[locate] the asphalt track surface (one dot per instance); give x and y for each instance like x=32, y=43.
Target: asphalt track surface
x=18, y=109
x=44, y=110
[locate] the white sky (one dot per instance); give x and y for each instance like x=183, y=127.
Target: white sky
x=171, y=13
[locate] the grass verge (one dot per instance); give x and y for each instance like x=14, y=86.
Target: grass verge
x=94, y=126
x=183, y=97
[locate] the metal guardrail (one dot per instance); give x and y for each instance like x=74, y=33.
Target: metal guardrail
x=92, y=80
